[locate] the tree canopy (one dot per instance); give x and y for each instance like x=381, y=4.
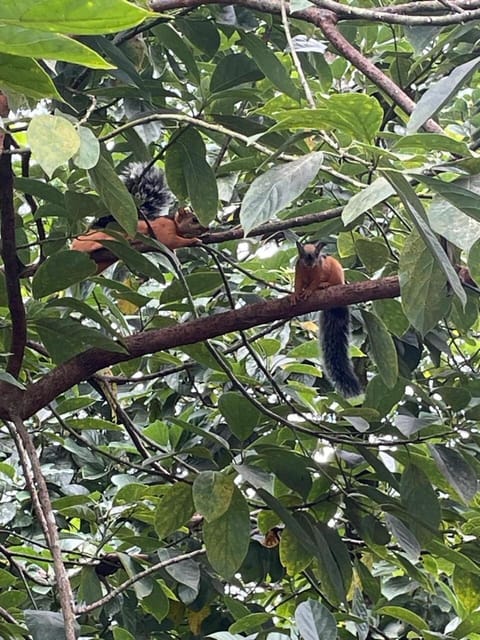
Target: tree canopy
x=174, y=464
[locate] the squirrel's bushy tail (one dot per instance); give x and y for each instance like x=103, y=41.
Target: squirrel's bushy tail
x=149, y=186
x=334, y=333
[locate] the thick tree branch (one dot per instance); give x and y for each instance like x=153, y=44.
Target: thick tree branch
x=87, y=363
x=11, y=263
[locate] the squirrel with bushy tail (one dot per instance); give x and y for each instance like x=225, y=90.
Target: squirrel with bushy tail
x=314, y=271
x=147, y=184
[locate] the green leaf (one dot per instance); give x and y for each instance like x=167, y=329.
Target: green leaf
x=46, y=624
x=376, y=192
x=467, y=588
x=289, y=467
x=121, y=634
x=41, y=190
x=250, y=623
x=60, y=271
x=53, y=140
x=190, y=176
x=64, y=338
x=438, y=94
x=114, y=194
x=174, y=509
x=202, y=33
x=89, y=153
x=382, y=348
x=25, y=76
x=456, y=470
x=172, y=40
x=212, y=494
x=373, y=253
x=456, y=193
x=315, y=622
x=404, y=614
x=293, y=556
x=276, y=189
x=414, y=207
x=242, y=417
x=269, y=64
x=423, y=285
x=72, y=16
x=90, y=588
x=357, y=114
x=156, y=603
x=474, y=261
x=428, y=142
x=227, y=538
x=233, y=70
x=455, y=557
x=136, y=261
x=392, y=315
x=31, y=43
x=405, y=537
x=421, y=502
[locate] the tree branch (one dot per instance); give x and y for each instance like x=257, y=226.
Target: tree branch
x=11, y=262
x=43, y=508
x=87, y=363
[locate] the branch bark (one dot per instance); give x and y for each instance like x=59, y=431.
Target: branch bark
x=85, y=364
x=11, y=262
x=38, y=490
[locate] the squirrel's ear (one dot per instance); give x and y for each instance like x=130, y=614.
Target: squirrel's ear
x=299, y=247
x=319, y=245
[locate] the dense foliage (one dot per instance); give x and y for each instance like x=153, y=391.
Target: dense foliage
x=221, y=488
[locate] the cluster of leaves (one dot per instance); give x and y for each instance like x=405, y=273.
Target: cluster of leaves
x=296, y=512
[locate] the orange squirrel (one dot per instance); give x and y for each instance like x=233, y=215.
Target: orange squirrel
x=315, y=271
x=148, y=184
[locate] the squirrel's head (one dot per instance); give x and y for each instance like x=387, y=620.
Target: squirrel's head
x=310, y=253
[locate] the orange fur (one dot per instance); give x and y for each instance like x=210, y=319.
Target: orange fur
x=173, y=233
x=314, y=271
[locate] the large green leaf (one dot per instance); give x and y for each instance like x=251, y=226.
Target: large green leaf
x=269, y=64
x=227, y=537
x=31, y=43
x=212, y=494
x=423, y=285
x=421, y=502
x=315, y=621
x=233, y=70
x=60, y=271
x=53, y=140
x=376, y=192
x=190, y=176
x=440, y=93
x=357, y=114
x=72, y=16
x=64, y=338
x=382, y=348
x=114, y=194
x=276, y=189
x=240, y=413
x=457, y=471
x=174, y=509
x=25, y=76
x=414, y=207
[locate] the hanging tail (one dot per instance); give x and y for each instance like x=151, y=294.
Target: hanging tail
x=334, y=334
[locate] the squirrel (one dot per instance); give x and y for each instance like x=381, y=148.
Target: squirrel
x=148, y=185
x=314, y=271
